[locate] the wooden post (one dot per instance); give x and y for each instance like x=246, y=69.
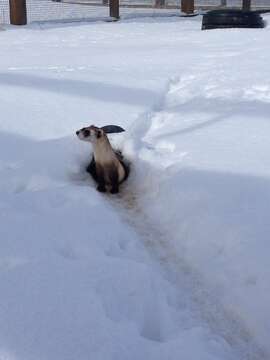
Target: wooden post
x=160, y=3
x=187, y=6
x=114, y=9
x=246, y=5
x=18, y=12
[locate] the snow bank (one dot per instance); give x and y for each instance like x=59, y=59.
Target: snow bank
x=75, y=280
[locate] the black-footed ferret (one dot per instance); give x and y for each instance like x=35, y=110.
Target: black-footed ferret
x=107, y=166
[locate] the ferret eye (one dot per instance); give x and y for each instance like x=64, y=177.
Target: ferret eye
x=86, y=133
x=99, y=134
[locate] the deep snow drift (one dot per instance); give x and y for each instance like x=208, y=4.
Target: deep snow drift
x=176, y=266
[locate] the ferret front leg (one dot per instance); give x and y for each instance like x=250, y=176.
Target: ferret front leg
x=91, y=169
x=114, y=181
x=100, y=179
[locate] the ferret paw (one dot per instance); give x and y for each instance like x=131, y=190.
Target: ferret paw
x=114, y=191
x=101, y=188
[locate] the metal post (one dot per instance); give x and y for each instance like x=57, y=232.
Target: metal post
x=187, y=6
x=114, y=9
x=18, y=12
x=246, y=5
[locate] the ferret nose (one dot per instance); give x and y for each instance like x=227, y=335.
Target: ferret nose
x=77, y=132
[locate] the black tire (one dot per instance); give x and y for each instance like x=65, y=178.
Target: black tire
x=231, y=18
x=110, y=129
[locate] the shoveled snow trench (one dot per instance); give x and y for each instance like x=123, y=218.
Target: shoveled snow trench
x=196, y=304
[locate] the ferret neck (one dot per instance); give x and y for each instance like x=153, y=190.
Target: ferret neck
x=101, y=145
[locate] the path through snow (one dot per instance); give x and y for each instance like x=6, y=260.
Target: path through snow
x=195, y=303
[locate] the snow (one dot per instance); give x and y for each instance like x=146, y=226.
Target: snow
x=176, y=266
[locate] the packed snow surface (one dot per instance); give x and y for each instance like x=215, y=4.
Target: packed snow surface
x=177, y=265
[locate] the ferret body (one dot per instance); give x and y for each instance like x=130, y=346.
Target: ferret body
x=107, y=166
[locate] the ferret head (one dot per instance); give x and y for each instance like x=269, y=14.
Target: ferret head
x=91, y=134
